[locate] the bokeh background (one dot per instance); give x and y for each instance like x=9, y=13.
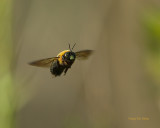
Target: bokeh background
x=117, y=87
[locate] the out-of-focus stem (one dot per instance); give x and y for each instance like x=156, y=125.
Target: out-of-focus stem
x=7, y=93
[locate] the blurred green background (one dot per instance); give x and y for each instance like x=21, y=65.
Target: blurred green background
x=116, y=86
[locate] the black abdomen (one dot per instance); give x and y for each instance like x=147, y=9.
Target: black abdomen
x=56, y=69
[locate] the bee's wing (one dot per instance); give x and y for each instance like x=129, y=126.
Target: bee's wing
x=44, y=62
x=84, y=54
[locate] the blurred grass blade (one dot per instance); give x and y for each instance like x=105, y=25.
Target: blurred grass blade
x=7, y=93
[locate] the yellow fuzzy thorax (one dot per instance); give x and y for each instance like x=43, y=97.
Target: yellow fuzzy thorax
x=60, y=56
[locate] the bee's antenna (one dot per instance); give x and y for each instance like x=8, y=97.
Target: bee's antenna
x=73, y=46
x=69, y=47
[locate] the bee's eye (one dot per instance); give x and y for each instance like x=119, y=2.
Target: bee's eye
x=72, y=57
x=66, y=54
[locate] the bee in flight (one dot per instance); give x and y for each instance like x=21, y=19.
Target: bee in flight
x=63, y=61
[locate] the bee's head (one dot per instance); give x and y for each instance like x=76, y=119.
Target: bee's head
x=69, y=56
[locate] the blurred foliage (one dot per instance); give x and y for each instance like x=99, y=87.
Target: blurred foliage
x=152, y=25
x=7, y=88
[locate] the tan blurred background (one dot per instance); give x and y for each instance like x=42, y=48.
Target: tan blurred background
x=115, y=87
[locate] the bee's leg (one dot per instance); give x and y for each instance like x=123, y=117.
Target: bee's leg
x=65, y=71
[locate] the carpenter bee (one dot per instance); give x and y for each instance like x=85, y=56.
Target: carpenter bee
x=63, y=61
